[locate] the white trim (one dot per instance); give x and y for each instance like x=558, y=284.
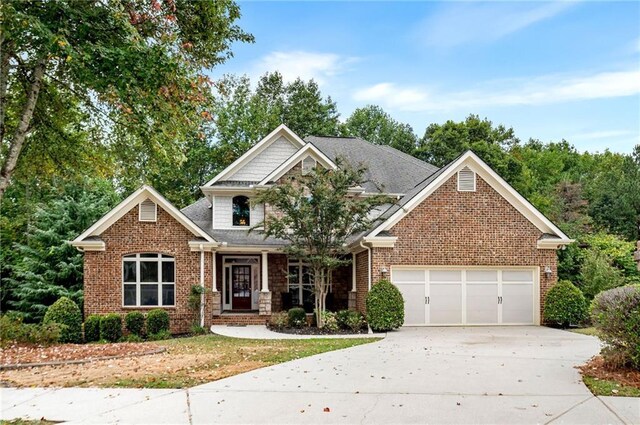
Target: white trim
x=264, y=264
x=254, y=298
x=473, y=181
x=281, y=130
x=354, y=288
x=471, y=160
x=380, y=241
x=553, y=243
x=130, y=202
x=161, y=258
x=252, y=249
x=88, y=245
x=307, y=151
x=202, y=246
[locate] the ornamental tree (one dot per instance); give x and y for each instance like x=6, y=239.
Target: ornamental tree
x=318, y=214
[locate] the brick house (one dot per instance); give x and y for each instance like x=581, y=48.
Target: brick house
x=463, y=246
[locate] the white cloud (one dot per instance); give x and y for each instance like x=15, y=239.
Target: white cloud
x=536, y=91
x=306, y=65
x=463, y=23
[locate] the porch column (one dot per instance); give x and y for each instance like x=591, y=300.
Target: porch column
x=216, y=297
x=265, y=272
x=352, y=300
x=214, y=286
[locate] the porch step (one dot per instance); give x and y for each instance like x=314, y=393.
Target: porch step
x=240, y=319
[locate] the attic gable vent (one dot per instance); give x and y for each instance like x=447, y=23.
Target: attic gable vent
x=307, y=165
x=466, y=180
x=147, y=210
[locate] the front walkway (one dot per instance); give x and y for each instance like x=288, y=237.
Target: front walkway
x=262, y=332
x=509, y=375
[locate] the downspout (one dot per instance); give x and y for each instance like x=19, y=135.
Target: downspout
x=202, y=285
x=370, y=266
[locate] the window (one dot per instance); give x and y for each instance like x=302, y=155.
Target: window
x=466, y=180
x=148, y=280
x=147, y=210
x=241, y=211
x=301, y=285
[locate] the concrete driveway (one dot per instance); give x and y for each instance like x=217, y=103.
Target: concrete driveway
x=416, y=375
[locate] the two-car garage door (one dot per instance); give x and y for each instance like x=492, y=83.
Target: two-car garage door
x=467, y=296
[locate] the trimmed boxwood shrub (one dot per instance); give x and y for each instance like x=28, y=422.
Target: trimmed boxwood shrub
x=92, y=328
x=350, y=319
x=111, y=327
x=157, y=321
x=297, y=317
x=565, y=305
x=67, y=313
x=616, y=315
x=134, y=322
x=385, y=307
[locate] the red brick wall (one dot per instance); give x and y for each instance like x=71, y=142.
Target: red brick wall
x=362, y=281
x=466, y=228
x=103, y=269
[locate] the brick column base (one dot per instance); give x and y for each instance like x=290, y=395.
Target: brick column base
x=216, y=304
x=264, y=303
x=352, y=300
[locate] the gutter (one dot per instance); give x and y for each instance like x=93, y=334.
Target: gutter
x=369, y=264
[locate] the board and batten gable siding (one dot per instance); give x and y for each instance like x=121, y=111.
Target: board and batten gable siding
x=223, y=213
x=267, y=161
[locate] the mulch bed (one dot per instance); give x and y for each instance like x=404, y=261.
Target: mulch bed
x=597, y=368
x=312, y=330
x=31, y=355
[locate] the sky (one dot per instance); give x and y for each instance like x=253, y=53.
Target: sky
x=550, y=70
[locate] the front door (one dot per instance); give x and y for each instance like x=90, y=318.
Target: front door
x=241, y=287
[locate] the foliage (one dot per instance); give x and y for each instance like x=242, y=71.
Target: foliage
x=134, y=322
x=65, y=312
x=13, y=330
x=385, y=307
x=330, y=321
x=316, y=214
x=92, y=328
x=297, y=317
x=133, y=74
x=194, y=303
x=279, y=320
x=350, y=319
x=565, y=305
x=111, y=327
x=131, y=338
x=616, y=315
x=45, y=267
x=196, y=329
x=598, y=274
x=157, y=321
x=374, y=125
x=159, y=336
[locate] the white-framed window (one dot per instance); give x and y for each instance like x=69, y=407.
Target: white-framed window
x=300, y=284
x=148, y=279
x=241, y=211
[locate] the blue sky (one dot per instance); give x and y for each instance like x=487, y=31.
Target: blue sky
x=550, y=70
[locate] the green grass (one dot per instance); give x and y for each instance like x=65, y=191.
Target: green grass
x=601, y=387
x=586, y=331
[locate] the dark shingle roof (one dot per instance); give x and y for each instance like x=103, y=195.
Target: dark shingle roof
x=394, y=171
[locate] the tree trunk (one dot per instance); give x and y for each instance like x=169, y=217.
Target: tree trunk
x=5, y=48
x=17, y=142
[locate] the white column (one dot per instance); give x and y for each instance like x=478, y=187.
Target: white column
x=202, y=284
x=353, y=272
x=213, y=272
x=265, y=272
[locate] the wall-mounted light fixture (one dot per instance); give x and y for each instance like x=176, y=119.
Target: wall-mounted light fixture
x=547, y=272
x=384, y=271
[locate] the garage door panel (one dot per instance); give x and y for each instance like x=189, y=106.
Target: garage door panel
x=414, y=308
x=482, y=276
x=409, y=276
x=482, y=303
x=445, y=275
x=517, y=276
x=445, y=303
x=517, y=303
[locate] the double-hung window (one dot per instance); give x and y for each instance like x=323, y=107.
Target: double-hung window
x=148, y=280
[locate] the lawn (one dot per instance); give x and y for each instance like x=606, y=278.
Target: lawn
x=591, y=331
x=185, y=363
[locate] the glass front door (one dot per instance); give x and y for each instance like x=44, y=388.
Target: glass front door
x=241, y=287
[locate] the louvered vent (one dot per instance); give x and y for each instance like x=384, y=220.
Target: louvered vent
x=307, y=165
x=147, y=210
x=466, y=180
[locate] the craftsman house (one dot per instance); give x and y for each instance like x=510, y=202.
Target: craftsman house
x=463, y=246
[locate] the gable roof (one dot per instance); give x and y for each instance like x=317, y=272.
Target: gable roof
x=88, y=237
x=305, y=151
x=393, y=171
x=468, y=159
x=280, y=131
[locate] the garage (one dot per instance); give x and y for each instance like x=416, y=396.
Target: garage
x=467, y=296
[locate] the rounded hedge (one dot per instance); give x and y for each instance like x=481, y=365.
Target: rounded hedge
x=385, y=307
x=297, y=317
x=134, y=322
x=565, y=305
x=67, y=313
x=157, y=321
x=92, y=328
x=111, y=327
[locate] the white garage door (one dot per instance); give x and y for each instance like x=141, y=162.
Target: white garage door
x=474, y=296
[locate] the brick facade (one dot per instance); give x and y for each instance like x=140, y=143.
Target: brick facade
x=103, y=269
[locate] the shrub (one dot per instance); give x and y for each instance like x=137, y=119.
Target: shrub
x=350, y=319
x=134, y=322
x=279, y=320
x=297, y=317
x=131, y=338
x=565, y=305
x=329, y=321
x=616, y=315
x=13, y=330
x=158, y=336
x=92, y=328
x=157, y=321
x=111, y=327
x=598, y=274
x=385, y=307
x=66, y=312
x=197, y=330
